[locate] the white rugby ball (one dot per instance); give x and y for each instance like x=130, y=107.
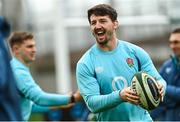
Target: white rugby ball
x=146, y=87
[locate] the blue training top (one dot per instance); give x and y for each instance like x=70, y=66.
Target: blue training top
x=10, y=104
x=101, y=75
x=31, y=92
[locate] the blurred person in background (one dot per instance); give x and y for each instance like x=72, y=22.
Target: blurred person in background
x=169, y=110
x=105, y=71
x=78, y=112
x=9, y=98
x=23, y=48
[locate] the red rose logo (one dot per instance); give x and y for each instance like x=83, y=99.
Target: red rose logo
x=130, y=62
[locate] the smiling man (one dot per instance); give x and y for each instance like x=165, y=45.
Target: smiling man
x=105, y=71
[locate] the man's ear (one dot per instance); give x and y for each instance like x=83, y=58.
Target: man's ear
x=15, y=49
x=116, y=24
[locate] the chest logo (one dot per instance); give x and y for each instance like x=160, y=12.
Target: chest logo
x=99, y=69
x=119, y=82
x=130, y=62
x=168, y=70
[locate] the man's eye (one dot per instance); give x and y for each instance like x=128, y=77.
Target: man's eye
x=103, y=21
x=174, y=42
x=93, y=23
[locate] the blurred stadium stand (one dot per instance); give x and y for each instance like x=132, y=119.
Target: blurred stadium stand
x=146, y=23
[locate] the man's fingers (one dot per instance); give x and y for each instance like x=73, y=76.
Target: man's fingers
x=161, y=91
x=133, y=99
x=127, y=94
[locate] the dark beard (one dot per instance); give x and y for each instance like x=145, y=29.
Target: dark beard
x=103, y=43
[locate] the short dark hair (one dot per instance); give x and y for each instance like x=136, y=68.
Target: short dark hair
x=19, y=38
x=177, y=30
x=103, y=10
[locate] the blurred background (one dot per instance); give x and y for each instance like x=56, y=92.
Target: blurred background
x=62, y=32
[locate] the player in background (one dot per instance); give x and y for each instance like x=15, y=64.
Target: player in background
x=169, y=110
x=23, y=48
x=10, y=100
x=105, y=71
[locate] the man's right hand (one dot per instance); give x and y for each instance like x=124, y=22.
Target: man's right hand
x=127, y=94
x=77, y=96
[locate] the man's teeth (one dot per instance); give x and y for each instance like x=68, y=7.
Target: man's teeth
x=100, y=32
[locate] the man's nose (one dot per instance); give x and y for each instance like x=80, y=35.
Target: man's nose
x=34, y=49
x=172, y=45
x=98, y=25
